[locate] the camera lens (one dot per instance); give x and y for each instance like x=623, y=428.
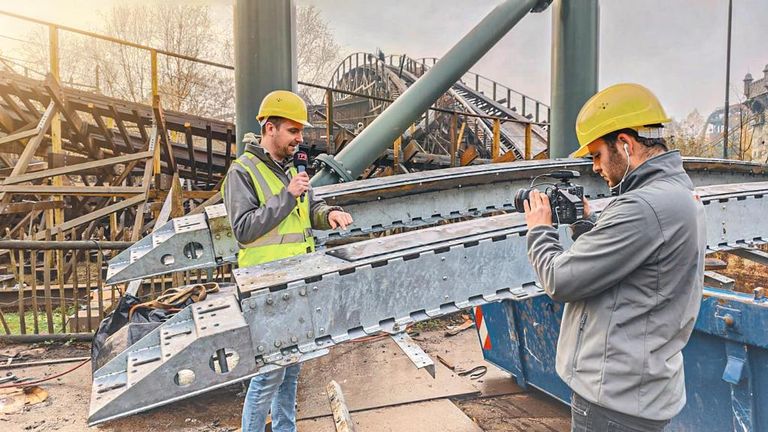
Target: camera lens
x=520, y=197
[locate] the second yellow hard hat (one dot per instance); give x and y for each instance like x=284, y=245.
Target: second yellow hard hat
x=617, y=107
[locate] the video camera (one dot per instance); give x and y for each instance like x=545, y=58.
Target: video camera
x=565, y=198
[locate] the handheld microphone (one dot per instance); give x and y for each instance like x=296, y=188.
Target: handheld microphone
x=300, y=161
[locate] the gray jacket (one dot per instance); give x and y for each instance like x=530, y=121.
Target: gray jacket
x=632, y=287
x=248, y=218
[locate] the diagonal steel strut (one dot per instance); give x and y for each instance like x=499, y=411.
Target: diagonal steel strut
x=296, y=309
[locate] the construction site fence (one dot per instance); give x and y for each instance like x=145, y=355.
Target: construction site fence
x=57, y=288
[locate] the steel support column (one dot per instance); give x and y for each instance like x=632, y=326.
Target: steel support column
x=265, y=57
x=575, y=39
x=378, y=136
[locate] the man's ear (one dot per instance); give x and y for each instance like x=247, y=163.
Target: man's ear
x=626, y=140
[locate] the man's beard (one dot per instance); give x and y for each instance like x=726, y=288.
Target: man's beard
x=616, y=166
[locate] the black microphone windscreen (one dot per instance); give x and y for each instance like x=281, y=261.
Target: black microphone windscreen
x=300, y=161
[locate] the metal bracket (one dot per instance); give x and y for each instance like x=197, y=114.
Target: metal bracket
x=728, y=319
x=738, y=375
x=336, y=167
x=717, y=280
x=414, y=352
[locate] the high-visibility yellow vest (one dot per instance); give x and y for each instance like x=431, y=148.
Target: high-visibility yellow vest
x=292, y=236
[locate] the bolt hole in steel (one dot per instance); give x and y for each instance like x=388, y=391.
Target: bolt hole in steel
x=184, y=377
x=167, y=259
x=193, y=250
x=224, y=360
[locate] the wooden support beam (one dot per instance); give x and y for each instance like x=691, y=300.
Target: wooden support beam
x=98, y=214
x=25, y=100
x=26, y=207
x=209, y=153
x=7, y=123
x=22, y=114
x=19, y=136
x=108, y=135
x=469, y=155
x=32, y=167
x=54, y=90
x=140, y=123
x=79, y=168
x=72, y=190
x=29, y=150
x=146, y=181
x=121, y=127
x=165, y=141
x=190, y=149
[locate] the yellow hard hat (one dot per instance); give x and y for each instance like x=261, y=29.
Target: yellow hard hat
x=617, y=107
x=283, y=103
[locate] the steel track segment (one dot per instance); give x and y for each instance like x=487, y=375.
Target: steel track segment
x=421, y=199
x=408, y=201
x=296, y=309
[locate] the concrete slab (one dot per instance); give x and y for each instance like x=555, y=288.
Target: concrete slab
x=433, y=416
x=373, y=375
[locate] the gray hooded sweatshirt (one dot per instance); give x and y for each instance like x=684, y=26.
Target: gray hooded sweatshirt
x=632, y=287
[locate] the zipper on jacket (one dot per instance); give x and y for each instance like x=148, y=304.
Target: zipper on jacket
x=582, y=323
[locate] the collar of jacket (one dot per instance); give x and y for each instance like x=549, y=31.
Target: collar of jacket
x=665, y=165
x=262, y=154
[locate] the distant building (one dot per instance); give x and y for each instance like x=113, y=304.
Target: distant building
x=756, y=134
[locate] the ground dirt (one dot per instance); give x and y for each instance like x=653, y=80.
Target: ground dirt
x=496, y=404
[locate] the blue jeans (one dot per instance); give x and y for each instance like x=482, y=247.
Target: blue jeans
x=275, y=390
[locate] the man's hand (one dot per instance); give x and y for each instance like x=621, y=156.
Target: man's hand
x=537, y=210
x=587, y=211
x=339, y=218
x=299, y=184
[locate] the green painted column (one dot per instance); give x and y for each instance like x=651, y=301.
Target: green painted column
x=381, y=133
x=265, y=57
x=575, y=48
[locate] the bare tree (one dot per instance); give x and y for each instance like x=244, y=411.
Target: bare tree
x=687, y=136
x=124, y=72
x=318, y=53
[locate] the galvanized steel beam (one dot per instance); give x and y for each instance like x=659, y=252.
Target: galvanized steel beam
x=397, y=202
x=292, y=310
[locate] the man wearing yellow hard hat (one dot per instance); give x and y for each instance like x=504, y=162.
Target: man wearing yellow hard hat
x=632, y=281
x=273, y=210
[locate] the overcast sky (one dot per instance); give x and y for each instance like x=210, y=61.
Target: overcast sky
x=675, y=47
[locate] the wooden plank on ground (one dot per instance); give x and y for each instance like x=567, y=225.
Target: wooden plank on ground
x=432, y=416
x=373, y=375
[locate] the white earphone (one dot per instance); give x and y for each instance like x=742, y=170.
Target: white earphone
x=626, y=151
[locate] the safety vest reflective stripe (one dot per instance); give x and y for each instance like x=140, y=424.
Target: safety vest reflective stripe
x=249, y=164
x=273, y=238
